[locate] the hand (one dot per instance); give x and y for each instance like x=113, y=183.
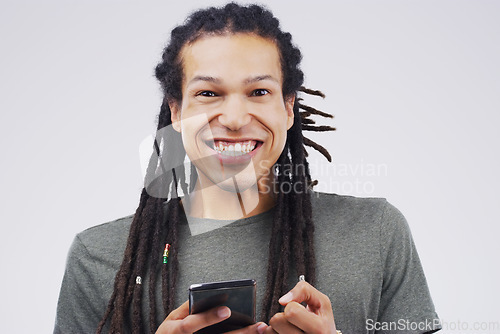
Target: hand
x=180, y=321
x=317, y=317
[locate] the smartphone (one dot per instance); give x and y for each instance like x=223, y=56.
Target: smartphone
x=238, y=295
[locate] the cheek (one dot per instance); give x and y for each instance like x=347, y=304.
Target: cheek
x=281, y=139
x=281, y=131
x=191, y=126
x=189, y=141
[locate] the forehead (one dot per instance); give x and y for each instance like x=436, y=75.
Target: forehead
x=231, y=56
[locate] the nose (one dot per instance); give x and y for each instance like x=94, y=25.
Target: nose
x=234, y=113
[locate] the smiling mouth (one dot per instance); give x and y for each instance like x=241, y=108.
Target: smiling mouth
x=236, y=148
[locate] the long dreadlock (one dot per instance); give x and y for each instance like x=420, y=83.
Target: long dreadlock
x=151, y=227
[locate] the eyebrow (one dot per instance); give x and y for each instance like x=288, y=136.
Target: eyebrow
x=247, y=81
x=204, y=78
x=259, y=78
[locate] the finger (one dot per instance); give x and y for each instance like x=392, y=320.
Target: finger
x=270, y=330
x=257, y=328
x=305, y=292
x=307, y=321
x=281, y=325
x=179, y=313
x=195, y=322
x=198, y=321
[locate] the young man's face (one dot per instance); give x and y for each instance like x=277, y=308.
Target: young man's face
x=232, y=117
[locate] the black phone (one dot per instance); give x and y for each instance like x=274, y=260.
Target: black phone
x=238, y=295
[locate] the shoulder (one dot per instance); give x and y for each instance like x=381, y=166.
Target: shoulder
x=344, y=203
x=105, y=240
x=108, y=229
x=353, y=209
x=370, y=217
x=92, y=262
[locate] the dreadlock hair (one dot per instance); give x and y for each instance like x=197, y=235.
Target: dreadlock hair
x=153, y=226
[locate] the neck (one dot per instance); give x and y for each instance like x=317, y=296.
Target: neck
x=212, y=202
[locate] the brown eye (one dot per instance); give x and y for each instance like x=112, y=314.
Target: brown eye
x=260, y=92
x=207, y=93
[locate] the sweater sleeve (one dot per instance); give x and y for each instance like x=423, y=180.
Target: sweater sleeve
x=405, y=305
x=80, y=306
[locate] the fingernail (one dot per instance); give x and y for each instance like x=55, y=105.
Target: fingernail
x=286, y=298
x=262, y=327
x=223, y=312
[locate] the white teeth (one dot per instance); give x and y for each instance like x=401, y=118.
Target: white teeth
x=234, y=149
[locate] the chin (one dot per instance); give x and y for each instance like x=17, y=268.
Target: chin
x=239, y=184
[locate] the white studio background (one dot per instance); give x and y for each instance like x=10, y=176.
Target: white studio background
x=414, y=86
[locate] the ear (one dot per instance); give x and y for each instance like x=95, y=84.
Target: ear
x=289, y=102
x=175, y=115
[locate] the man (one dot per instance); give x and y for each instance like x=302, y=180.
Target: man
x=231, y=79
